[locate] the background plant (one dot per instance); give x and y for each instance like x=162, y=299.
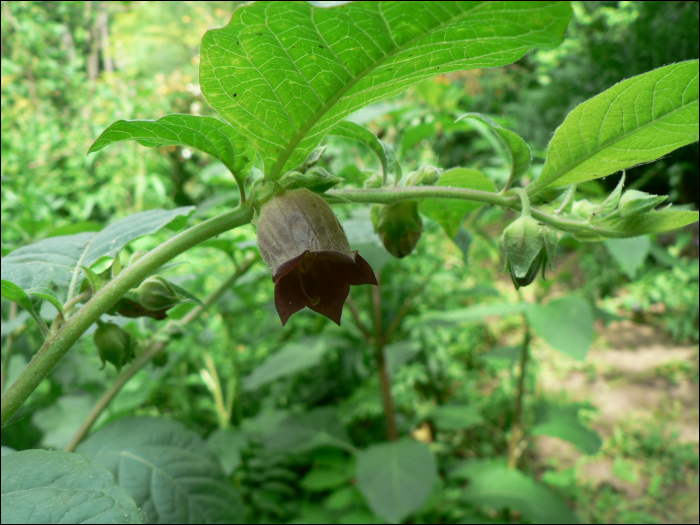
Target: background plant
x=301, y=420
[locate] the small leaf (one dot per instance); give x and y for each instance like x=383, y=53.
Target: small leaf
x=516, y=147
x=635, y=202
x=566, y=324
x=629, y=253
x=42, y=486
x=450, y=212
x=609, y=205
x=637, y=120
x=207, y=134
x=386, y=155
x=396, y=478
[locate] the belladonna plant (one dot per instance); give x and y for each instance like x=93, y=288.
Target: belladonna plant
x=307, y=250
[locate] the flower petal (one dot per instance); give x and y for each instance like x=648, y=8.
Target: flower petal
x=289, y=297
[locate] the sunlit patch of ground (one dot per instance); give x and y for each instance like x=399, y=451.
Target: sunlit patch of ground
x=645, y=390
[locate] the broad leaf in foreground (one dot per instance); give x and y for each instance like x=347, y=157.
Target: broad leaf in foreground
x=43, y=486
x=168, y=470
x=57, y=260
x=396, y=478
x=636, y=121
x=206, y=134
x=283, y=73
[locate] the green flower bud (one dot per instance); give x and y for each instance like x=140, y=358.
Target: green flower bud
x=155, y=293
x=527, y=246
x=398, y=226
x=423, y=176
x=634, y=202
x=316, y=179
x=114, y=345
x=305, y=246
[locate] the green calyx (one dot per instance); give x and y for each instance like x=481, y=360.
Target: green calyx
x=423, y=176
x=114, y=345
x=399, y=226
x=526, y=246
x=155, y=293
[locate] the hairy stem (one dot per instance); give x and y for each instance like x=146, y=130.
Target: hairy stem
x=524, y=202
x=60, y=341
x=152, y=349
x=393, y=195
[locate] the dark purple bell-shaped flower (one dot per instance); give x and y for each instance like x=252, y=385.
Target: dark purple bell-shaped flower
x=307, y=250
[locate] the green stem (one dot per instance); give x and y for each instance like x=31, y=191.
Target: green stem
x=393, y=195
x=59, y=342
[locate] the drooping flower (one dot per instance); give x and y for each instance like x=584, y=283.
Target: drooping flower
x=307, y=250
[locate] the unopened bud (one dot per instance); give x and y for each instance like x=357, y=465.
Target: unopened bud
x=399, y=226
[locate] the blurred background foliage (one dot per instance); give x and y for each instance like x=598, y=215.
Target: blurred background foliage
x=69, y=69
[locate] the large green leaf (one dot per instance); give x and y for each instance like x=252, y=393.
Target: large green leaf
x=284, y=73
x=566, y=324
x=635, y=121
x=206, y=134
x=42, y=486
x=396, y=478
x=497, y=486
x=167, y=469
x=57, y=260
x=450, y=212
x=456, y=417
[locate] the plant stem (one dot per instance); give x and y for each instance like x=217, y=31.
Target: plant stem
x=59, y=342
x=152, y=349
x=216, y=390
x=393, y=195
x=392, y=432
x=514, y=448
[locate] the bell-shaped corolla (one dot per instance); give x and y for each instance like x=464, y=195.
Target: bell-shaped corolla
x=307, y=250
